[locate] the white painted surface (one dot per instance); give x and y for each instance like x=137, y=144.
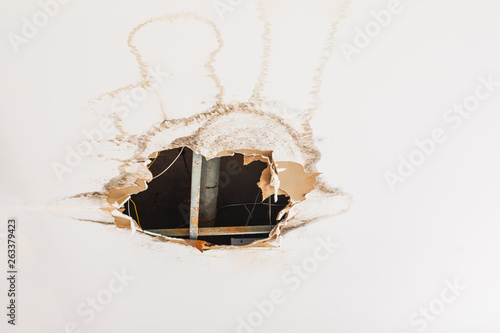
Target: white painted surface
x=396, y=248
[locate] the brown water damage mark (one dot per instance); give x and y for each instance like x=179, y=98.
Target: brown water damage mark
x=90, y=220
x=143, y=67
x=323, y=60
x=211, y=133
x=318, y=75
x=266, y=53
x=306, y=115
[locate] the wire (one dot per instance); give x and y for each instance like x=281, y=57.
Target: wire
x=248, y=210
x=251, y=203
x=150, y=164
x=253, y=208
x=169, y=165
x=136, y=215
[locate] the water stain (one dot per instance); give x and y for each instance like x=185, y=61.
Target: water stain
x=255, y=125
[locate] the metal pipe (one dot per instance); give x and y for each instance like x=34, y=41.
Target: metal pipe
x=195, y=195
x=216, y=231
x=209, y=191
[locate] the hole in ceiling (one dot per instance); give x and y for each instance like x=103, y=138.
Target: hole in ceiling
x=166, y=204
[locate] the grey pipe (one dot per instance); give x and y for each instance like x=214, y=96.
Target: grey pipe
x=209, y=190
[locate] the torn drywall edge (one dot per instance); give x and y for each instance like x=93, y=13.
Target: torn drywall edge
x=271, y=180
x=283, y=177
x=91, y=206
x=117, y=197
x=322, y=202
x=203, y=245
x=294, y=180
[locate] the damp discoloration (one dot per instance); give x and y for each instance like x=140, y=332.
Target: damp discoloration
x=280, y=135
x=266, y=51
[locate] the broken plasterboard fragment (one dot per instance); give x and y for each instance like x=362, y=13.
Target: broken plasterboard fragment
x=294, y=181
